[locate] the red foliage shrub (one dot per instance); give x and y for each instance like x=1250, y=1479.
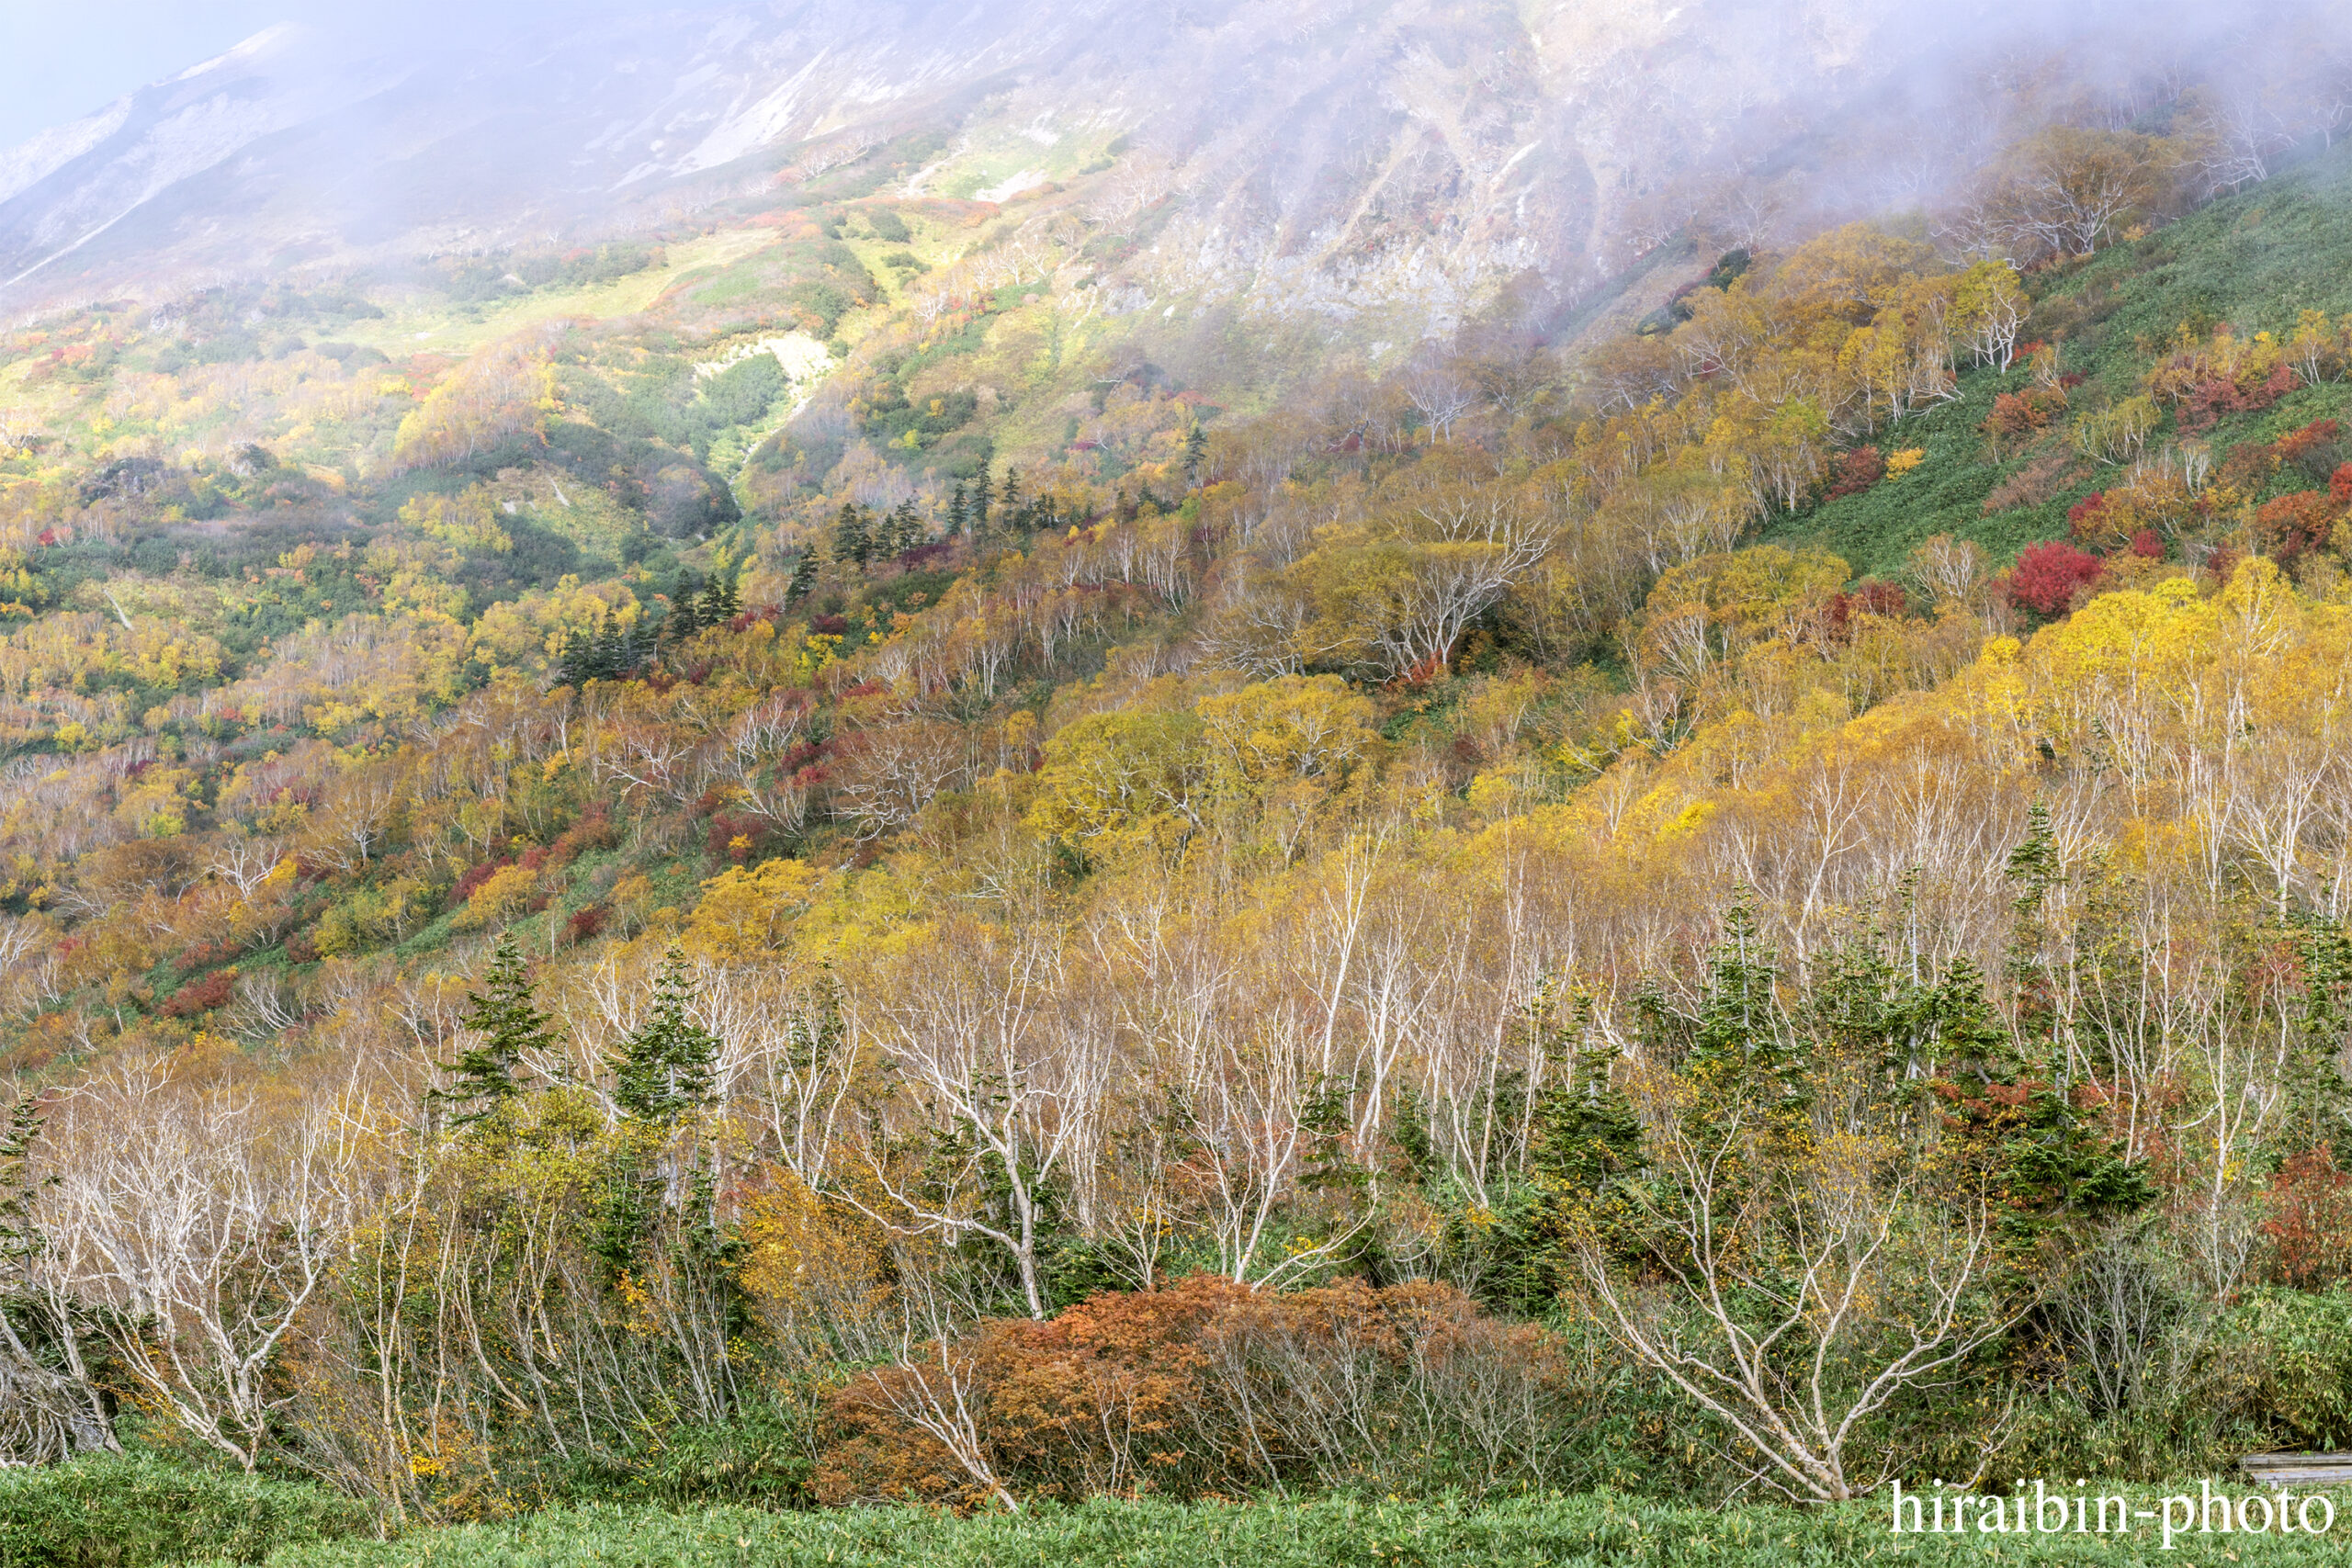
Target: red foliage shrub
x=202, y=994
x=2022, y=413
x=2310, y=1226
x=2046, y=576
x=2339, y=484
x=1856, y=471
x=593, y=831
x=736, y=836
x=2292, y=525
x=474, y=876
x=585, y=925
x=2312, y=448
x=1884, y=599
x=2148, y=543
x=2208, y=400
x=2084, y=518
x=204, y=954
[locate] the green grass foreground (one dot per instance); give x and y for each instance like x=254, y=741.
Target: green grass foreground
x=1546, y=1532
x=143, y=1509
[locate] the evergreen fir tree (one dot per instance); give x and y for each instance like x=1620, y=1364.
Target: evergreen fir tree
x=906, y=528
x=1196, y=449
x=2033, y=864
x=1009, y=501
x=804, y=578
x=853, y=534
x=2036, y=868
x=2319, y=1100
x=503, y=1015
x=664, y=1069
x=1741, y=1030
x=572, y=659
x=685, y=619
x=1586, y=1141
x=958, y=508
x=20, y=1235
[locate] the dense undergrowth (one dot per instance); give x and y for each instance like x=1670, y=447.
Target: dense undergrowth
x=1539, y=1532
x=135, y=1511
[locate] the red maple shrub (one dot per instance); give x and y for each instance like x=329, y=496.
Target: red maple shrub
x=2293, y=524
x=201, y=995
x=1856, y=471
x=2046, y=576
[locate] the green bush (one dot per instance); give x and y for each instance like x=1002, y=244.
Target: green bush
x=108, y=1512
x=761, y=1459
x=2292, y=1353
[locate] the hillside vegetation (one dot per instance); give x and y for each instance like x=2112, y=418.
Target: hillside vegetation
x=840, y=889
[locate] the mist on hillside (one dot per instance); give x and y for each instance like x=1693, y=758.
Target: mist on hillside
x=1316, y=161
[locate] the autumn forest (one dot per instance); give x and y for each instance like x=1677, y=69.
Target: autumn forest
x=787, y=867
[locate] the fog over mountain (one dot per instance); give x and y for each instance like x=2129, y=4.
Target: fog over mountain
x=1330, y=157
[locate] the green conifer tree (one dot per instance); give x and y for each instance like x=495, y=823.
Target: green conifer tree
x=2319, y=1100
x=1196, y=451
x=906, y=528
x=804, y=577
x=853, y=534
x=664, y=1069
x=20, y=1235
x=508, y=1024
x=1741, y=1033
x=571, y=659
x=685, y=619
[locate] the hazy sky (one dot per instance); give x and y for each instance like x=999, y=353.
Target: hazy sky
x=60, y=59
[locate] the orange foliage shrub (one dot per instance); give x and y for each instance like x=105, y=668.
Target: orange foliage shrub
x=2021, y=413
x=1209, y=1387
x=2295, y=525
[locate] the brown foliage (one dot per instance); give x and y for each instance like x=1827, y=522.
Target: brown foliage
x=1209, y=1387
x=2021, y=413
x=2031, y=485
x=1856, y=471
